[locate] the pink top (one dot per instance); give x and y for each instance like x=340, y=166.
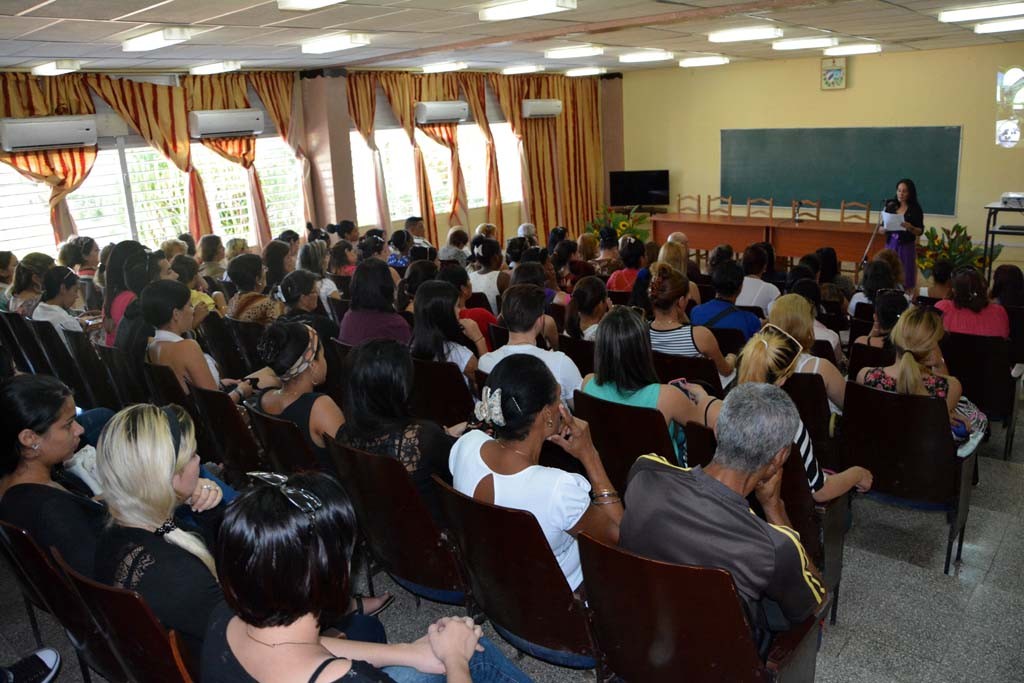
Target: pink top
x=991, y=322
x=117, y=307
x=622, y=280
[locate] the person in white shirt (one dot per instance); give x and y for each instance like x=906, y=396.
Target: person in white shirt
x=522, y=310
x=756, y=292
x=60, y=289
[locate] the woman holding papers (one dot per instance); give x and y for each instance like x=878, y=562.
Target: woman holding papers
x=902, y=233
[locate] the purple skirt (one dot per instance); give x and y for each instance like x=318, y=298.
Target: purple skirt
x=908, y=257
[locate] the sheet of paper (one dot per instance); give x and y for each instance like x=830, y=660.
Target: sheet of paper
x=892, y=221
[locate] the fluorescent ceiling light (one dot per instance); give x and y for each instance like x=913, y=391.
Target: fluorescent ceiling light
x=61, y=66
x=525, y=69
x=574, y=52
x=524, y=8
x=305, y=5
x=215, y=68
x=987, y=12
x=736, y=35
x=805, y=43
x=853, y=49
x=586, y=71
x=339, y=41
x=1000, y=26
x=156, y=40
x=711, y=60
x=444, y=66
x=646, y=56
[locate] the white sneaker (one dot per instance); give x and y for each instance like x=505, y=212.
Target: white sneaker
x=39, y=667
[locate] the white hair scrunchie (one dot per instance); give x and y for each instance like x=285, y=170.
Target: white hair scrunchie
x=488, y=409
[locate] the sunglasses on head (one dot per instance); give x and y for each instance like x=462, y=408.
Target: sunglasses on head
x=793, y=347
x=305, y=501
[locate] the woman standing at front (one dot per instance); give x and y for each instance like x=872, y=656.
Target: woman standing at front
x=904, y=242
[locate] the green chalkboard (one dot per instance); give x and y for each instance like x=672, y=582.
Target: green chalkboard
x=833, y=164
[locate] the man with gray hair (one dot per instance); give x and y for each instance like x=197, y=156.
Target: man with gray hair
x=700, y=516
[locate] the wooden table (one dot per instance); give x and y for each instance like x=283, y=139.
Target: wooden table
x=848, y=239
x=707, y=232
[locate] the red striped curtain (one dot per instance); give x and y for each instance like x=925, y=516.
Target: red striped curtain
x=64, y=170
x=361, y=88
x=445, y=87
x=158, y=114
x=474, y=86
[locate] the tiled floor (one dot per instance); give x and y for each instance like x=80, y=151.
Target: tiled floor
x=900, y=618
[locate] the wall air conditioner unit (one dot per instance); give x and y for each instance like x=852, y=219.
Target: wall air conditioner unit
x=541, y=109
x=47, y=132
x=224, y=123
x=451, y=111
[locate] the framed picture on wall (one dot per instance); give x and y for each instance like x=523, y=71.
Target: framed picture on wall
x=833, y=73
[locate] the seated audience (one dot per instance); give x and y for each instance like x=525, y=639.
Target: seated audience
x=189, y=241
x=940, y=288
x=830, y=274
x=514, y=250
x=701, y=516
x=292, y=239
x=211, y=257
x=892, y=259
x=250, y=304
x=721, y=312
x=300, y=290
x=280, y=595
x=568, y=266
x=372, y=312
x=8, y=264
x=877, y=276
x=134, y=332
x=1008, y=286
x=401, y=242
x=371, y=246
x=809, y=289
x=415, y=227
x=676, y=254
x=342, y=259
x=439, y=335
x=528, y=231
x=969, y=311
x=671, y=331
x=522, y=309
x=812, y=263
x=313, y=258
x=421, y=253
x=588, y=247
x=624, y=373
x=589, y=304
x=755, y=291
x=720, y=254
x=889, y=306
x=455, y=250
x=188, y=273
x=521, y=405
x=793, y=315
x=236, y=246
x=82, y=254
x=532, y=273
x=60, y=289
x=279, y=259
x=348, y=231
x=608, y=260
x=489, y=278
x=416, y=274
x=651, y=250
x=487, y=230
x=458, y=277
x=557, y=235
x=116, y=292
x=172, y=248
x=552, y=290
x=26, y=291
x=634, y=257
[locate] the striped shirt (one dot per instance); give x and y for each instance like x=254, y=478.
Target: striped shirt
x=805, y=449
x=677, y=342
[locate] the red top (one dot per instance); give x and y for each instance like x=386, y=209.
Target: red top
x=117, y=307
x=483, y=318
x=992, y=321
x=622, y=280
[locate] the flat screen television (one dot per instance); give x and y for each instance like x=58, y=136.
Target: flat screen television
x=639, y=187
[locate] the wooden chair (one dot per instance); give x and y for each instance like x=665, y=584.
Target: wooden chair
x=864, y=356
x=983, y=365
x=515, y=579
x=103, y=390
x=760, y=206
x=126, y=621
x=399, y=528
x=580, y=351
x=700, y=444
x=239, y=450
x=688, y=203
x=864, y=311
x=808, y=394
x=730, y=340
x=26, y=339
x=620, y=298
x=63, y=363
x=754, y=310
x=439, y=393
x=334, y=383
x=921, y=300
x=339, y=307
x=344, y=285
x=806, y=208
x=558, y=312
x=717, y=202
x=906, y=444
x=181, y=655
x=661, y=623
x=283, y=444
x=499, y=336
x=822, y=348
x=707, y=292
x=701, y=370
x=479, y=300
x=130, y=387
x=221, y=344
x=247, y=338
x=43, y=587
x=859, y=327
x=166, y=389
x=848, y=212
x=833, y=316
x=10, y=342
x=623, y=433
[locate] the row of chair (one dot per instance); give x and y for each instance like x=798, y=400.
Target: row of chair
x=849, y=211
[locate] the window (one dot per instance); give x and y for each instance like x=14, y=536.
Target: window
x=159, y=195
x=281, y=177
x=363, y=180
x=98, y=206
x=399, y=172
x=510, y=169
x=25, y=220
x=473, y=159
x=227, y=193
x=439, y=172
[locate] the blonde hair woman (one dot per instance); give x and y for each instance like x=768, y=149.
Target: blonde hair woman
x=236, y=246
x=675, y=254
x=147, y=464
x=794, y=315
x=588, y=246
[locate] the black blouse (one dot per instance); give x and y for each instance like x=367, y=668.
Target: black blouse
x=915, y=216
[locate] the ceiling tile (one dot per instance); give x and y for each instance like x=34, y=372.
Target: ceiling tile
x=12, y=27
x=73, y=30
x=90, y=9
x=192, y=11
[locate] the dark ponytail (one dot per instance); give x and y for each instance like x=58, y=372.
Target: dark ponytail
x=282, y=344
x=589, y=293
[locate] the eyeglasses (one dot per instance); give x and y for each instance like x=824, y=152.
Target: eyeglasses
x=795, y=347
x=300, y=498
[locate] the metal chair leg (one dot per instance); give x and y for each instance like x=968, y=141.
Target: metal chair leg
x=949, y=552
x=835, y=606
x=86, y=676
x=960, y=543
x=32, y=621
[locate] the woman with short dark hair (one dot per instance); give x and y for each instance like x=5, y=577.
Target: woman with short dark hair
x=942, y=271
x=401, y=243
x=889, y=306
x=371, y=246
x=969, y=310
x=372, y=312
x=489, y=278
x=608, y=260
x=634, y=257
x=1008, y=285
x=300, y=290
x=877, y=276
x=249, y=303
x=457, y=276
x=418, y=273
x=279, y=259
x=60, y=290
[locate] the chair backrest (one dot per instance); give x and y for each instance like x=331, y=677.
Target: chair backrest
x=1016, y=316
x=343, y=283
x=439, y=393
x=982, y=364
x=623, y=433
x=29, y=343
x=580, y=351
x=339, y=307
x=10, y=342
x=864, y=356
x=903, y=440
x=619, y=298
x=62, y=362
x=479, y=300
x=800, y=506
x=688, y=203
x=103, y=389
x=334, y=382
x=730, y=340
x=753, y=310
x=822, y=348
x=922, y=300
x=722, y=204
x=700, y=444
x=670, y=367
x=760, y=206
x=165, y=385
x=806, y=208
x=558, y=312
x=707, y=292
x=499, y=336
x=395, y=520
x=807, y=391
x=855, y=212
x=130, y=387
x=247, y=338
x=222, y=346
x=49, y=590
x=127, y=622
x=513, y=573
x=864, y=310
x=660, y=623
x=237, y=444
x=283, y=444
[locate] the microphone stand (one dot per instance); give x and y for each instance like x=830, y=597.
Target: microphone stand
x=867, y=249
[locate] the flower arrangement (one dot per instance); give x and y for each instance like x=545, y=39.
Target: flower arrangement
x=955, y=245
x=623, y=223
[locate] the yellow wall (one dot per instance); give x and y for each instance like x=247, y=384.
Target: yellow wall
x=673, y=117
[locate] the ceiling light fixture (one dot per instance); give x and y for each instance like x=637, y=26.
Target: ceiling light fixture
x=524, y=8
x=977, y=13
x=711, y=60
x=1000, y=26
x=524, y=69
x=574, y=52
x=335, y=43
x=444, y=66
x=646, y=56
x=805, y=43
x=305, y=5
x=586, y=71
x=215, y=68
x=853, y=49
x=156, y=40
x=61, y=66
x=736, y=35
